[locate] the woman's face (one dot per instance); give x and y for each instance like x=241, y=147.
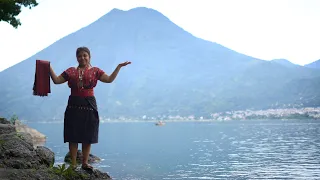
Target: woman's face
x=83, y=59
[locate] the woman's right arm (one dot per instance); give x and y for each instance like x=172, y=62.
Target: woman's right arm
x=56, y=79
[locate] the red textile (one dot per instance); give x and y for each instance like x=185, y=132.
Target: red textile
x=82, y=92
x=41, y=86
x=90, y=77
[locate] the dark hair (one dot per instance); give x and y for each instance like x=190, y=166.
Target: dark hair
x=85, y=49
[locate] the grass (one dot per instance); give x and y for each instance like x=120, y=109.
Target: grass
x=67, y=173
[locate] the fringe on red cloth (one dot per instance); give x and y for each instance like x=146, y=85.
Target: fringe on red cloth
x=41, y=85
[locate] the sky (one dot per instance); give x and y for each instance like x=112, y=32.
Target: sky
x=265, y=29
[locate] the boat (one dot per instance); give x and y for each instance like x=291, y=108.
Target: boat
x=160, y=123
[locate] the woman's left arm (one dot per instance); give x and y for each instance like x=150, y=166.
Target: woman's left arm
x=109, y=79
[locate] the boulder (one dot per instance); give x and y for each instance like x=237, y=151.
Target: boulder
x=4, y=121
x=38, y=139
x=92, y=158
x=19, y=159
x=6, y=128
x=46, y=155
x=17, y=151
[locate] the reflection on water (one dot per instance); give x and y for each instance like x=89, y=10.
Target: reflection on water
x=258, y=151
x=272, y=149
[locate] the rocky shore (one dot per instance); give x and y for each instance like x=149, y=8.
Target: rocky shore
x=21, y=158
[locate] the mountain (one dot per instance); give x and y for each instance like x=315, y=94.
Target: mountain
x=315, y=64
x=284, y=62
x=173, y=73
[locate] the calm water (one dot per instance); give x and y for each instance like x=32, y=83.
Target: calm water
x=271, y=149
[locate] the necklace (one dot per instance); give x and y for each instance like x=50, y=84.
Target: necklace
x=80, y=72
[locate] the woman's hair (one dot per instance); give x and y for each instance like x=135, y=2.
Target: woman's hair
x=85, y=49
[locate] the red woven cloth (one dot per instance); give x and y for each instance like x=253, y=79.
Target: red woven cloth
x=41, y=86
x=82, y=92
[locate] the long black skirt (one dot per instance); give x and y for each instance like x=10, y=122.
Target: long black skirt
x=81, y=120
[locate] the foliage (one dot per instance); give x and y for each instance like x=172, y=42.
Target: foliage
x=68, y=173
x=61, y=170
x=13, y=119
x=9, y=9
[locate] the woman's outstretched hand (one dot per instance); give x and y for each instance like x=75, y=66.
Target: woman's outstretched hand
x=124, y=63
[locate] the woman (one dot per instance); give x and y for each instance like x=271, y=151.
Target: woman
x=81, y=118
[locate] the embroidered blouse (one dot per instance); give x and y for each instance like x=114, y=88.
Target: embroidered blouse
x=89, y=77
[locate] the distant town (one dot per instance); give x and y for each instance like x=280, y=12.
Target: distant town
x=288, y=113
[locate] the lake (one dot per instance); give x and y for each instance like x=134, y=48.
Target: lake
x=255, y=149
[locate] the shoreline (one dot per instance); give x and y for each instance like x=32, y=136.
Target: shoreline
x=177, y=121
x=312, y=113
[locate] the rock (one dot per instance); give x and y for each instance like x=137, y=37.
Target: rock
x=37, y=137
x=29, y=174
x=17, y=152
x=19, y=159
x=4, y=121
x=46, y=155
x=92, y=158
x=25, y=137
x=51, y=174
x=95, y=174
x=7, y=128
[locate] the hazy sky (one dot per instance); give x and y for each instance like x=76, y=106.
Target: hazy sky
x=265, y=29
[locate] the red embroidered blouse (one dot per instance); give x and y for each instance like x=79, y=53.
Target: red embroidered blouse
x=90, y=77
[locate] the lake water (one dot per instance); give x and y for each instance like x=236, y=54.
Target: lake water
x=269, y=149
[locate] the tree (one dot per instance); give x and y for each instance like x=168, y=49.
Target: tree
x=9, y=9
